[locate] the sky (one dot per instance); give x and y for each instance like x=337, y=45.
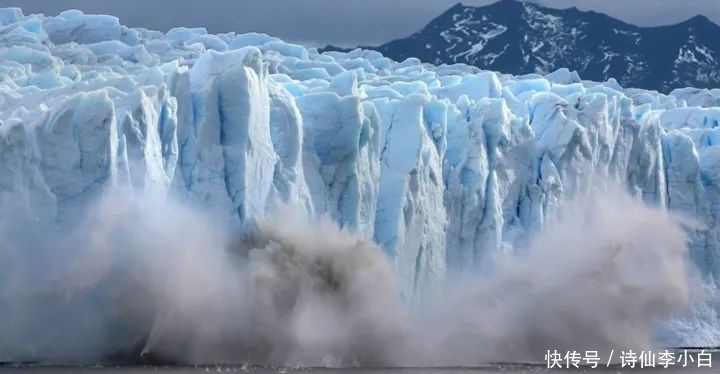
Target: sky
x=340, y=22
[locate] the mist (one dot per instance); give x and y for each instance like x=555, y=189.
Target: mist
x=602, y=276
x=152, y=277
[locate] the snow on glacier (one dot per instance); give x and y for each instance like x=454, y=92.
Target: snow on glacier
x=440, y=165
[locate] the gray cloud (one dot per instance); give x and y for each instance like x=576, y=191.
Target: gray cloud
x=347, y=22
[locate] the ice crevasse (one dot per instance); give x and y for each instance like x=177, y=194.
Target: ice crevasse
x=440, y=165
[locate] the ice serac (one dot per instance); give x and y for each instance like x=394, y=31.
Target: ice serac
x=410, y=220
x=77, y=150
x=234, y=155
x=441, y=165
x=342, y=158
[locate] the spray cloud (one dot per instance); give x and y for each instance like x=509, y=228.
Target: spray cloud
x=146, y=276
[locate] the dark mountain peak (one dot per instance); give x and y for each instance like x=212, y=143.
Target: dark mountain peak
x=698, y=27
x=700, y=19
x=507, y=9
x=519, y=2
x=507, y=4
x=459, y=6
x=524, y=37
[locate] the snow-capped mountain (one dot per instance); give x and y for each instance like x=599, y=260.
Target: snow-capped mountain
x=518, y=37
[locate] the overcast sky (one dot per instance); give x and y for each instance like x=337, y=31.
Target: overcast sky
x=344, y=22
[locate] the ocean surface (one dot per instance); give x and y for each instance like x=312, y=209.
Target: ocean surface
x=490, y=369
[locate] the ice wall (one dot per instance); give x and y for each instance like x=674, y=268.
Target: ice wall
x=440, y=165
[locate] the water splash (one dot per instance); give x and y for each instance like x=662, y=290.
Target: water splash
x=154, y=278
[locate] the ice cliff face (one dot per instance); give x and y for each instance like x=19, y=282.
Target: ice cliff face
x=438, y=164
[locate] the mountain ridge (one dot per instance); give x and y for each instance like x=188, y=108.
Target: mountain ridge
x=521, y=37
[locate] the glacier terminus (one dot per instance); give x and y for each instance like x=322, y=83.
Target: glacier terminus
x=441, y=166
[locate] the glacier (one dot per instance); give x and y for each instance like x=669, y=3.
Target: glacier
x=439, y=165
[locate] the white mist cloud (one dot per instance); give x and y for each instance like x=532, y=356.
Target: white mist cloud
x=149, y=276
